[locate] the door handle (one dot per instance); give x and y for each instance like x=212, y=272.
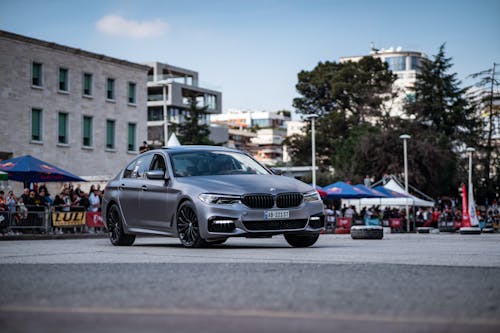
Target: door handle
x=121, y=187
x=144, y=187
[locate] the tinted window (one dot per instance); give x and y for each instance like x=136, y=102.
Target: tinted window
x=138, y=167
x=205, y=163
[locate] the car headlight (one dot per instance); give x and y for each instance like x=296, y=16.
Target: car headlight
x=311, y=196
x=219, y=199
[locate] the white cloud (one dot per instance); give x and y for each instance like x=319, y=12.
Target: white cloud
x=115, y=25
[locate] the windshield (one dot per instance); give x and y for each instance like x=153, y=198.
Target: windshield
x=210, y=163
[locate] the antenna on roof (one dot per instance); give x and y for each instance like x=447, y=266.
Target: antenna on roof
x=372, y=47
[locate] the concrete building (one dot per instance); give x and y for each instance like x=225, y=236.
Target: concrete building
x=169, y=91
x=405, y=64
x=81, y=111
x=268, y=132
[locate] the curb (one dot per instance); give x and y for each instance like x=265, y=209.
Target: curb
x=50, y=236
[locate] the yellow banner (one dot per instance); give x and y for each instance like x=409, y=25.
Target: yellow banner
x=68, y=219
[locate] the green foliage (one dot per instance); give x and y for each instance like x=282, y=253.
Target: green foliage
x=191, y=132
x=487, y=158
x=355, y=135
x=440, y=104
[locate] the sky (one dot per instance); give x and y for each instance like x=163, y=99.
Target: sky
x=253, y=50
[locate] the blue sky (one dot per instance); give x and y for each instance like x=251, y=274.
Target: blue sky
x=252, y=50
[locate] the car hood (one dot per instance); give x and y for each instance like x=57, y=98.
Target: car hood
x=241, y=184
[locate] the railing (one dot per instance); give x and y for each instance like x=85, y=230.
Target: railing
x=36, y=218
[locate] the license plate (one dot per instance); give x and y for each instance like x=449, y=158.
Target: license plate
x=276, y=214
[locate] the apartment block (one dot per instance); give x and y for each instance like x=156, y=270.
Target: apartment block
x=82, y=111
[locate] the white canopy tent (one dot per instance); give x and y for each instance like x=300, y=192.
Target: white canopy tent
x=393, y=185
x=173, y=141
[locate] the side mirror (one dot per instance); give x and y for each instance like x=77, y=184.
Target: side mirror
x=277, y=172
x=155, y=174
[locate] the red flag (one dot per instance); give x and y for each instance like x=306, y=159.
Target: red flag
x=465, y=208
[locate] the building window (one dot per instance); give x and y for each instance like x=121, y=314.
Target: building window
x=110, y=134
x=36, y=124
x=110, y=89
x=87, y=84
x=62, y=132
x=131, y=92
x=131, y=137
x=63, y=79
x=155, y=113
x=87, y=131
x=36, y=74
x=211, y=101
x=415, y=63
x=396, y=64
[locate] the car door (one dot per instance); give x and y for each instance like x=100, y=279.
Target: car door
x=130, y=186
x=154, y=198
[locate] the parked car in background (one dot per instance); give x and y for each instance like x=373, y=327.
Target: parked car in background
x=203, y=195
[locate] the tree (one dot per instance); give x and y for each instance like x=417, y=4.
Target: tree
x=192, y=131
x=343, y=95
x=440, y=104
x=485, y=99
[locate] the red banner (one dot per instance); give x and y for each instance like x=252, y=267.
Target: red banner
x=395, y=223
x=344, y=222
x=465, y=208
x=94, y=220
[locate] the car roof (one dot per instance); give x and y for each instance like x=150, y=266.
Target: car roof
x=188, y=148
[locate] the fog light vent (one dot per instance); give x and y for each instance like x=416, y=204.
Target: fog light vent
x=221, y=225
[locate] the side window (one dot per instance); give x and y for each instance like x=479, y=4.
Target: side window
x=138, y=167
x=158, y=163
x=129, y=169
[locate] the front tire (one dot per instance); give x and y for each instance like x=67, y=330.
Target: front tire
x=114, y=222
x=304, y=240
x=188, y=227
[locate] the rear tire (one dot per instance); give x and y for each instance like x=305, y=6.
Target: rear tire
x=304, y=240
x=114, y=222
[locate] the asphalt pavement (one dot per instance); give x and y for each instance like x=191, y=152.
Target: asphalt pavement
x=410, y=282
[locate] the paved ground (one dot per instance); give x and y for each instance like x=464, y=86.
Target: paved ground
x=416, y=283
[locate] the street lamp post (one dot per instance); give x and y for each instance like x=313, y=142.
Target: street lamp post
x=470, y=150
x=406, y=137
x=313, y=146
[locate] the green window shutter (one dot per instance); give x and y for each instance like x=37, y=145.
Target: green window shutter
x=131, y=137
x=36, y=124
x=63, y=128
x=87, y=131
x=110, y=89
x=131, y=93
x=63, y=79
x=110, y=134
x=87, y=84
x=36, y=74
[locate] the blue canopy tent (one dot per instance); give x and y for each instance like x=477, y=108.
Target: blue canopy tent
x=28, y=169
x=375, y=193
x=341, y=190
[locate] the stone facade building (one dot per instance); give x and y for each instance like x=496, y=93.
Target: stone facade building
x=84, y=112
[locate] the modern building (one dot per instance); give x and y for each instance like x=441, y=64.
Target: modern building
x=405, y=64
x=82, y=111
x=170, y=89
x=265, y=130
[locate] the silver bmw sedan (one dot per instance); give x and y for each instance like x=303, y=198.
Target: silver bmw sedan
x=203, y=195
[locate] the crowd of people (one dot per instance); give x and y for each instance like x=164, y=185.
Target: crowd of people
x=26, y=209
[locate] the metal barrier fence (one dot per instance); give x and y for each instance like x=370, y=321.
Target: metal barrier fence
x=43, y=219
x=26, y=217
